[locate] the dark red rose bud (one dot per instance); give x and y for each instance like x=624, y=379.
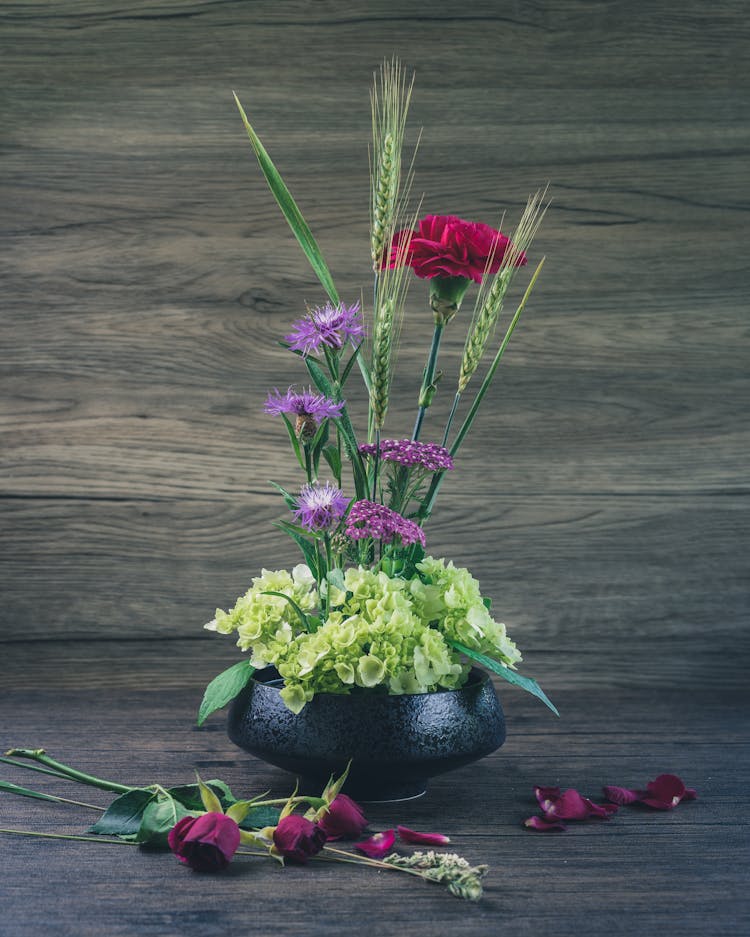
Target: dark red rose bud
x=344, y=817
x=205, y=843
x=297, y=839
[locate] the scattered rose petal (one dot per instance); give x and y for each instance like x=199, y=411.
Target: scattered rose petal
x=690, y=793
x=378, y=845
x=546, y=793
x=664, y=792
x=604, y=811
x=570, y=805
x=621, y=795
x=422, y=839
x=539, y=823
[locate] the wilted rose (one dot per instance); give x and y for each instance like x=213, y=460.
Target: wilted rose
x=298, y=839
x=344, y=817
x=447, y=246
x=206, y=843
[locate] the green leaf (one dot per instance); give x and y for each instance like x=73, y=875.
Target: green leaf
x=159, y=816
x=294, y=441
x=291, y=212
x=124, y=815
x=350, y=364
x=223, y=688
x=487, y=602
x=517, y=679
x=189, y=795
x=332, y=457
x=308, y=549
x=291, y=501
x=301, y=615
x=260, y=817
x=24, y=791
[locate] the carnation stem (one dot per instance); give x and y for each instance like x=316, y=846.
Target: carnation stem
x=437, y=479
x=375, y=466
x=355, y=859
x=427, y=390
x=37, y=754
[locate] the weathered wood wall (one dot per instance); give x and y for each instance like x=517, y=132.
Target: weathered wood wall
x=147, y=275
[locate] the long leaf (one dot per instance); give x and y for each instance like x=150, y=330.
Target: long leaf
x=308, y=550
x=224, y=687
x=291, y=212
x=25, y=792
x=517, y=679
x=294, y=441
x=291, y=501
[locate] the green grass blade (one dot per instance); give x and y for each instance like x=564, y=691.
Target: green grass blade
x=291, y=212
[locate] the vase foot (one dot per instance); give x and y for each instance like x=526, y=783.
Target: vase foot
x=363, y=793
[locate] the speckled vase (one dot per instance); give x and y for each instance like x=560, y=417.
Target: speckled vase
x=396, y=743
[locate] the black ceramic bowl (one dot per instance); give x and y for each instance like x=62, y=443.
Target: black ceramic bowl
x=395, y=742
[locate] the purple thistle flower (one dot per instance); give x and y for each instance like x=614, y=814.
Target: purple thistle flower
x=330, y=325
x=367, y=519
x=428, y=455
x=319, y=507
x=309, y=408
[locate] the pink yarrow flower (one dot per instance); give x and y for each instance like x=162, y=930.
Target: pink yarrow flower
x=422, y=839
x=344, y=817
x=367, y=519
x=206, y=843
x=447, y=246
x=330, y=325
x=428, y=455
x=378, y=845
x=663, y=793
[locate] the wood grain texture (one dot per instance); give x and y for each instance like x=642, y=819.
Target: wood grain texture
x=146, y=276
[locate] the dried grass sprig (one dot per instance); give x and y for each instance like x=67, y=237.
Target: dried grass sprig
x=389, y=99
x=489, y=301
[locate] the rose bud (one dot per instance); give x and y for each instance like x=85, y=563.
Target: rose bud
x=343, y=817
x=297, y=839
x=206, y=843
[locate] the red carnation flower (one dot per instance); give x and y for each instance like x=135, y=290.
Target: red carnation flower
x=447, y=246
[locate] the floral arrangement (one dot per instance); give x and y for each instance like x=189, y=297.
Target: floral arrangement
x=369, y=609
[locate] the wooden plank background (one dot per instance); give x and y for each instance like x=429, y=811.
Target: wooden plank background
x=146, y=275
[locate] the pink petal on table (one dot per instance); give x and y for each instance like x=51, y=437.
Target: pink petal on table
x=539, y=823
x=378, y=845
x=664, y=792
x=690, y=793
x=546, y=793
x=568, y=806
x=604, y=811
x=422, y=839
x=622, y=795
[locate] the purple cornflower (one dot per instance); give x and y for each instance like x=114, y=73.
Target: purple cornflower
x=330, y=325
x=429, y=455
x=367, y=519
x=309, y=408
x=319, y=507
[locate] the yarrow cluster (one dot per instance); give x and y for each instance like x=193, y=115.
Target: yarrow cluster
x=427, y=455
x=373, y=521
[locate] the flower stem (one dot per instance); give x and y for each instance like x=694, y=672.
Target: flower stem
x=82, y=839
x=38, y=755
x=451, y=415
x=427, y=390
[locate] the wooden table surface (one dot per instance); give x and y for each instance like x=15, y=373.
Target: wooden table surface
x=602, y=502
